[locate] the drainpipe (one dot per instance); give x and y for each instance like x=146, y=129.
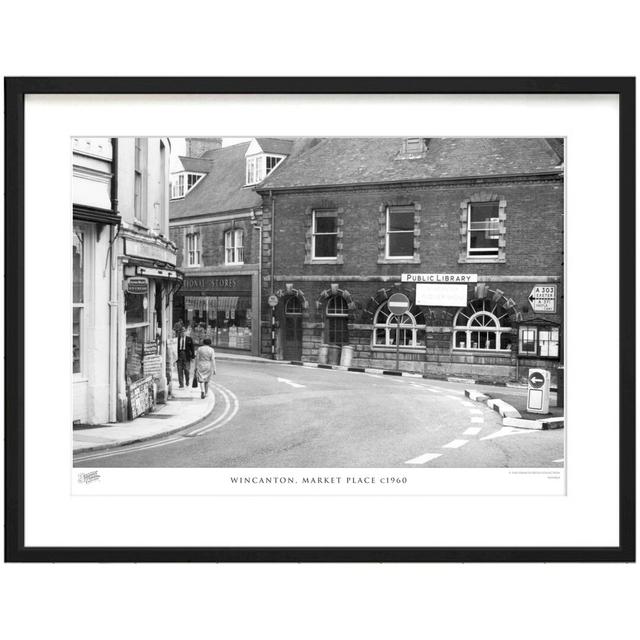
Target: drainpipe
x=258, y=228
x=113, y=294
x=273, y=266
x=273, y=239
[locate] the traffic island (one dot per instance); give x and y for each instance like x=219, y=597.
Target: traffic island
x=514, y=413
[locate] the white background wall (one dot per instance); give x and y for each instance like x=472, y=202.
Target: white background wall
x=308, y=601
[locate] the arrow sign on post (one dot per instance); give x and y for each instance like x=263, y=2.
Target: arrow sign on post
x=543, y=298
x=536, y=380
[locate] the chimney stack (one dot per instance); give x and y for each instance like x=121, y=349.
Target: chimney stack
x=197, y=147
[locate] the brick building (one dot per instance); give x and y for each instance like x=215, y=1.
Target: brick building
x=346, y=219
x=215, y=217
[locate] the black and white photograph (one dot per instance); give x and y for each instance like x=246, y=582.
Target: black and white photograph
x=318, y=302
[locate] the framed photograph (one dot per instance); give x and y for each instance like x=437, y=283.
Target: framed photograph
x=320, y=319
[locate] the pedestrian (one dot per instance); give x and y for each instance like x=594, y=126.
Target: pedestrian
x=205, y=366
x=185, y=355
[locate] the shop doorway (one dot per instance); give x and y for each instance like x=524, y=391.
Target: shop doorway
x=292, y=330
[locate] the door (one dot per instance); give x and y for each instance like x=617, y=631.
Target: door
x=292, y=330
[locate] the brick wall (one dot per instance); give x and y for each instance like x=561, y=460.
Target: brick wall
x=212, y=241
x=533, y=247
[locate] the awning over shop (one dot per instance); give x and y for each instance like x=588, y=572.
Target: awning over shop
x=213, y=304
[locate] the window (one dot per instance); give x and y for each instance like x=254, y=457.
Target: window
x=136, y=306
x=193, y=249
x=139, y=211
x=413, y=146
x=337, y=320
x=400, y=232
x=183, y=183
x=293, y=306
x=483, y=229
x=233, y=246
x=542, y=342
x=77, y=331
x=260, y=166
x=410, y=328
x=482, y=325
x=325, y=235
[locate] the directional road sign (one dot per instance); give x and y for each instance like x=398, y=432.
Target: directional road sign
x=543, y=298
x=536, y=379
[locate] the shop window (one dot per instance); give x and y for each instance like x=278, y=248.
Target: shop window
x=136, y=314
x=337, y=314
x=483, y=326
x=325, y=235
x=541, y=342
x=78, y=256
x=409, y=328
x=400, y=232
x=234, y=246
x=193, y=249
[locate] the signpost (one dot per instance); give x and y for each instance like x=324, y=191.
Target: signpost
x=273, y=301
x=398, y=304
x=543, y=298
x=538, y=391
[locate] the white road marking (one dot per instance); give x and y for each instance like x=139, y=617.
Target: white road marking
x=477, y=419
x=454, y=444
x=472, y=431
x=452, y=397
x=231, y=408
x=228, y=414
x=423, y=458
x=468, y=404
x=507, y=431
x=292, y=384
x=561, y=460
x=476, y=411
x=433, y=389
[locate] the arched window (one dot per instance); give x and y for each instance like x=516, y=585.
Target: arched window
x=293, y=306
x=482, y=325
x=410, y=328
x=337, y=320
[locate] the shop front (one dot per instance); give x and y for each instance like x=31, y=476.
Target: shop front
x=148, y=287
x=221, y=308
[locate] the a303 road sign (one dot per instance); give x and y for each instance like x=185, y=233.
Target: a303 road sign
x=543, y=298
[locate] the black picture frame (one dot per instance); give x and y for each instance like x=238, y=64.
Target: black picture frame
x=16, y=89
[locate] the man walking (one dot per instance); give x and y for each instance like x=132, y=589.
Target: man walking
x=185, y=355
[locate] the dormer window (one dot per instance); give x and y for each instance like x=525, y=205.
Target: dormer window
x=260, y=166
x=183, y=183
x=414, y=146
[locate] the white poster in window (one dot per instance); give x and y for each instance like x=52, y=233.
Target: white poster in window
x=441, y=295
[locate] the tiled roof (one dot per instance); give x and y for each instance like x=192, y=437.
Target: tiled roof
x=222, y=189
x=196, y=165
x=278, y=146
x=338, y=161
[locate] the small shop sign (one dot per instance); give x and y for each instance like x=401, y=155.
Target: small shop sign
x=136, y=285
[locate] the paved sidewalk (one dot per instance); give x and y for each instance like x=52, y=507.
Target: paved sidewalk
x=183, y=409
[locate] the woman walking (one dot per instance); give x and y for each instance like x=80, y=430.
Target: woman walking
x=205, y=365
